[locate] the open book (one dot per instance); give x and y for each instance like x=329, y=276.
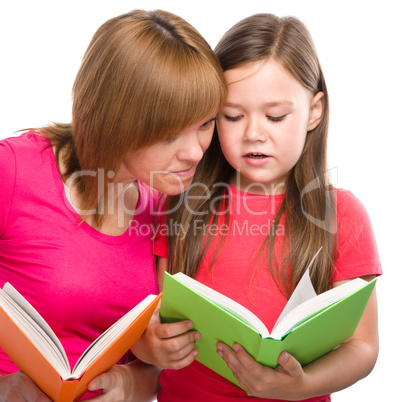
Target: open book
x=303, y=303
x=309, y=326
x=35, y=349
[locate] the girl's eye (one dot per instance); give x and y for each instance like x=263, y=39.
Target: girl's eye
x=276, y=119
x=232, y=118
x=208, y=124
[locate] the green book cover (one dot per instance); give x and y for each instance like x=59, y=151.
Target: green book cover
x=314, y=337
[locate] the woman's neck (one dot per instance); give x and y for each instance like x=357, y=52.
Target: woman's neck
x=117, y=210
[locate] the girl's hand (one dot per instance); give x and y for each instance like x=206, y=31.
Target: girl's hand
x=167, y=345
x=286, y=381
x=18, y=387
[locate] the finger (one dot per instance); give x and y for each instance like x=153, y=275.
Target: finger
x=243, y=357
x=229, y=356
x=173, y=329
x=102, y=381
x=181, y=344
x=243, y=376
x=156, y=314
x=289, y=364
x=246, y=364
x=185, y=361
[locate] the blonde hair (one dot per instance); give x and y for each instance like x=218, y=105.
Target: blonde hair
x=287, y=41
x=145, y=76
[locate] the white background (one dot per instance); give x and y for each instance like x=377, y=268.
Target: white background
x=358, y=42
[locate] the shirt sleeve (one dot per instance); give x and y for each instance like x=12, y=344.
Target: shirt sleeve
x=357, y=253
x=7, y=182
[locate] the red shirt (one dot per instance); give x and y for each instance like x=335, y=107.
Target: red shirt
x=80, y=280
x=234, y=275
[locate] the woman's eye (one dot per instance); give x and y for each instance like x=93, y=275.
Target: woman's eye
x=232, y=118
x=276, y=119
x=208, y=124
x=170, y=139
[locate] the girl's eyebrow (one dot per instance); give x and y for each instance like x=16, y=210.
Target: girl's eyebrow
x=268, y=104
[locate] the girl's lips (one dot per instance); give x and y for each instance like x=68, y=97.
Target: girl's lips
x=256, y=158
x=255, y=155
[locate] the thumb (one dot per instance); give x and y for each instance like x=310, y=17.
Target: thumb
x=156, y=314
x=102, y=381
x=289, y=364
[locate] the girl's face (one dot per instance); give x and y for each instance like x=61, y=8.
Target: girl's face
x=264, y=123
x=169, y=166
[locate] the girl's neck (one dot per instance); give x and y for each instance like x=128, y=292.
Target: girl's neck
x=239, y=183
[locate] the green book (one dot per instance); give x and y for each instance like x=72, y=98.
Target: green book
x=310, y=325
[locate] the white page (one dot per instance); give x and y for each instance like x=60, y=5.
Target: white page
x=31, y=311
x=303, y=292
x=38, y=337
x=106, y=338
x=302, y=312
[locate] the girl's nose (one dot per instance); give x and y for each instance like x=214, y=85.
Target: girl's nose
x=255, y=131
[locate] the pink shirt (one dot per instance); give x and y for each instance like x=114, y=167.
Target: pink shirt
x=233, y=275
x=81, y=281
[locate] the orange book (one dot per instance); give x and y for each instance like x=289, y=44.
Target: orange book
x=35, y=349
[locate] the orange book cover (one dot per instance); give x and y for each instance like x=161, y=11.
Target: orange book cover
x=32, y=362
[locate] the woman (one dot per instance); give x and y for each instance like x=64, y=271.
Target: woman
x=78, y=200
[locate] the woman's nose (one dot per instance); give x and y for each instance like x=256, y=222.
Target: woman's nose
x=194, y=146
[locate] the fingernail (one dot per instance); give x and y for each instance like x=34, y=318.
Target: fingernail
x=92, y=386
x=196, y=352
x=190, y=324
x=236, y=348
x=198, y=336
x=285, y=357
x=219, y=352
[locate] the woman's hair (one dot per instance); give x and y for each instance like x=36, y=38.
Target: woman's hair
x=308, y=209
x=144, y=77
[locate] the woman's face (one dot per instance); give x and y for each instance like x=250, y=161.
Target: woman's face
x=169, y=166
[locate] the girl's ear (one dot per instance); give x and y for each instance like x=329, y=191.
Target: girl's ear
x=316, y=111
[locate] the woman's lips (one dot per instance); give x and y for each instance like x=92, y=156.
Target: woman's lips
x=185, y=173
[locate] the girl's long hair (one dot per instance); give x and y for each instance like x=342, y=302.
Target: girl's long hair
x=308, y=210
x=144, y=78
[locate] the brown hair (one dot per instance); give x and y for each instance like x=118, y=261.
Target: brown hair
x=308, y=192
x=144, y=77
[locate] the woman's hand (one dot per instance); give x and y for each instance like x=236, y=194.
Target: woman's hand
x=18, y=387
x=167, y=345
x=286, y=381
x=136, y=381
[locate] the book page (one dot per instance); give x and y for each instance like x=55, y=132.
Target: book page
x=303, y=292
x=39, y=338
x=312, y=306
x=108, y=337
x=31, y=311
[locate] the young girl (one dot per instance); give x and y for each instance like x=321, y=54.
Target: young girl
x=264, y=187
